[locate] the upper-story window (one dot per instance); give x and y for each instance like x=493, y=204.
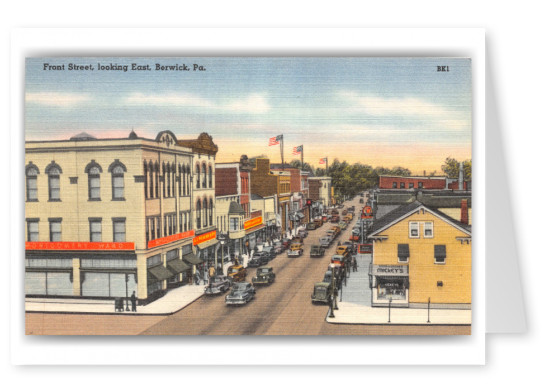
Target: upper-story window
x=197, y=176
x=440, y=253
x=413, y=229
x=32, y=230
x=198, y=214
x=394, y=185
x=204, y=171
x=205, y=212
x=210, y=177
x=211, y=211
x=93, y=170
x=411, y=185
x=95, y=229
x=428, y=232
x=55, y=230
x=31, y=182
x=119, y=229
x=117, y=170
x=54, y=189
x=402, y=185
x=420, y=185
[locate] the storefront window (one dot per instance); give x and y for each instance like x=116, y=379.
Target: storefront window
x=391, y=288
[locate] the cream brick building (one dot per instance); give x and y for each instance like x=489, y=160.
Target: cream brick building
x=107, y=217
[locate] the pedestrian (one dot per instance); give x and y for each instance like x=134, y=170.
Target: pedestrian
x=133, y=301
x=354, y=264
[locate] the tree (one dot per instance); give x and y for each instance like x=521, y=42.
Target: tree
x=451, y=168
x=298, y=164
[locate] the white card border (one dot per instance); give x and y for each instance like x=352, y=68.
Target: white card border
x=374, y=350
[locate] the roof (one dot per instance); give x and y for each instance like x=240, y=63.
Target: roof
x=235, y=208
x=402, y=212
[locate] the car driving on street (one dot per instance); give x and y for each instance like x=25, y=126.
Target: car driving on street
x=241, y=293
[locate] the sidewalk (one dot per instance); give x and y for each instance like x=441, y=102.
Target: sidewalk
x=355, y=307
x=173, y=301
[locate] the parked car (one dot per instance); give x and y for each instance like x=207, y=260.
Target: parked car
x=258, y=259
x=322, y=293
x=269, y=252
x=325, y=241
x=318, y=221
x=311, y=226
x=324, y=218
x=338, y=259
x=335, y=219
x=296, y=250
x=343, y=250
x=351, y=247
x=264, y=276
x=237, y=273
x=355, y=235
x=286, y=243
x=278, y=247
x=317, y=250
x=343, y=225
x=302, y=233
x=217, y=284
x=361, y=200
x=241, y=293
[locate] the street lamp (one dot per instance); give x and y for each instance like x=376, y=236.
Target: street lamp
x=222, y=240
x=331, y=313
x=389, y=303
x=126, y=284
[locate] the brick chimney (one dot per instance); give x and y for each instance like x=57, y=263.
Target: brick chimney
x=464, y=212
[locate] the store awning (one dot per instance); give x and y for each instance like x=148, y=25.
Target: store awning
x=177, y=266
x=254, y=229
x=208, y=243
x=160, y=272
x=192, y=259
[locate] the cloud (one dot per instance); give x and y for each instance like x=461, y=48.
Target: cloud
x=253, y=104
x=59, y=99
x=406, y=107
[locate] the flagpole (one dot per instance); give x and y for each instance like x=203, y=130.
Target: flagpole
x=326, y=166
x=302, y=157
x=282, y=167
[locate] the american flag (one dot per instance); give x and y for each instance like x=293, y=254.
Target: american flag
x=297, y=150
x=323, y=160
x=275, y=140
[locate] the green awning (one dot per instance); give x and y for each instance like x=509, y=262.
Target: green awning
x=192, y=259
x=206, y=244
x=160, y=272
x=177, y=266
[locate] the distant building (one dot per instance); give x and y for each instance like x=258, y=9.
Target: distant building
x=320, y=189
x=420, y=182
x=421, y=254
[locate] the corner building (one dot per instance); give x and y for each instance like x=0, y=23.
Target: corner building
x=108, y=217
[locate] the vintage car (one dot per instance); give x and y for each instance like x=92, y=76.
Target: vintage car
x=325, y=241
x=318, y=221
x=335, y=219
x=355, y=235
x=311, y=226
x=217, y=284
x=302, y=233
x=296, y=250
x=343, y=225
x=351, y=209
x=344, y=212
x=338, y=259
x=336, y=229
x=343, y=250
x=324, y=218
x=241, y=293
x=317, y=250
x=258, y=259
x=269, y=251
x=351, y=247
x=237, y=273
x=286, y=242
x=264, y=276
x=322, y=292
x=297, y=239
x=278, y=247
x=361, y=200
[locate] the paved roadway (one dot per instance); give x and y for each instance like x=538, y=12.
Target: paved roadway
x=283, y=308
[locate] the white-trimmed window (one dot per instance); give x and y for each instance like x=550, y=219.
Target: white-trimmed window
x=55, y=230
x=413, y=229
x=428, y=229
x=32, y=230
x=119, y=229
x=95, y=229
x=32, y=187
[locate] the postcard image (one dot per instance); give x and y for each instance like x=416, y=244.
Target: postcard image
x=248, y=196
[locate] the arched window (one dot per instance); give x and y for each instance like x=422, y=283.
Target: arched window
x=93, y=170
x=173, y=180
x=145, y=178
x=156, y=180
x=31, y=182
x=210, y=177
x=54, y=188
x=211, y=211
x=151, y=180
x=117, y=170
x=198, y=214
x=188, y=180
x=205, y=211
x=164, y=180
x=180, y=191
x=204, y=171
x=198, y=176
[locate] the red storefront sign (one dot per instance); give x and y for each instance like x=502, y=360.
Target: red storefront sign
x=253, y=222
x=170, y=239
x=204, y=237
x=80, y=246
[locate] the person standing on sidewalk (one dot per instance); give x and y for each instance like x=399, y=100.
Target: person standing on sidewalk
x=133, y=301
x=354, y=264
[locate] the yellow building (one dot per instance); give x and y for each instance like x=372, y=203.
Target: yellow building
x=109, y=217
x=421, y=254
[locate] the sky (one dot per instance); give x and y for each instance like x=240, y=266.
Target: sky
x=378, y=111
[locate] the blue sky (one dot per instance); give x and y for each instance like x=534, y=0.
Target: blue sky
x=379, y=111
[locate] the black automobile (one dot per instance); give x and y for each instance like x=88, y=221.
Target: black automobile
x=269, y=251
x=258, y=259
